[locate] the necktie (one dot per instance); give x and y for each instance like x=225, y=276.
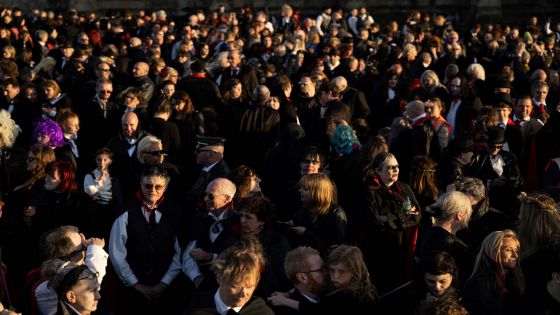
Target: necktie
x=152, y=220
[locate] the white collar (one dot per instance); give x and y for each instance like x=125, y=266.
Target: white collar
x=417, y=118
x=209, y=167
x=221, y=307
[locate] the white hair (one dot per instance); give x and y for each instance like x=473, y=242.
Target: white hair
x=226, y=186
x=9, y=130
x=475, y=71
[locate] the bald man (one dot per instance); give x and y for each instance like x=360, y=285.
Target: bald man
x=422, y=139
x=124, y=146
x=354, y=98
x=212, y=232
x=142, y=81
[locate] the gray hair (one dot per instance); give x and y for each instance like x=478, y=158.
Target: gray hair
x=475, y=71
x=453, y=203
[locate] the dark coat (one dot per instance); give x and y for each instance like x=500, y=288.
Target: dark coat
x=383, y=226
x=356, y=99
x=96, y=128
x=326, y=231
x=502, y=190
x=203, y=92
x=437, y=238
x=257, y=128
x=203, y=304
x=339, y=302
x=195, y=195
x=466, y=114
x=168, y=133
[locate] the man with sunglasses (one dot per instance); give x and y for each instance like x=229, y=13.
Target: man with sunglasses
x=144, y=248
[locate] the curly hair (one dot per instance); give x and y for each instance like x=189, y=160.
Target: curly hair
x=539, y=220
x=44, y=155
x=352, y=259
x=51, y=129
x=241, y=177
x=9, y=130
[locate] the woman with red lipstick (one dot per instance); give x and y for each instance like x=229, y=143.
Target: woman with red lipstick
x=388, y=223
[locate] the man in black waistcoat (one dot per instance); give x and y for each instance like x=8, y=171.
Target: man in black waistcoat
x=144, y=248
x=211, y=233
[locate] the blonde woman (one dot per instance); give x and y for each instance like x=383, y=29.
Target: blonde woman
x=496, y=282
x=320, y=223
x=539, y=221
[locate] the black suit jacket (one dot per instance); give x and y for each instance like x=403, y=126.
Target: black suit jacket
x=356, y=99
x=466, y=114
x=196, y=194
x=203, y=304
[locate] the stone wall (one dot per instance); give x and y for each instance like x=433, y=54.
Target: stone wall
x=484, y=10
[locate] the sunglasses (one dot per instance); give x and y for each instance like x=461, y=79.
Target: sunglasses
x=393, y=167
x=155, y=153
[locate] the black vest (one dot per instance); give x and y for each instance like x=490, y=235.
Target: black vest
x=150, y=252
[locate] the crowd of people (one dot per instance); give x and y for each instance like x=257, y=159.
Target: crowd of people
x=237, y=161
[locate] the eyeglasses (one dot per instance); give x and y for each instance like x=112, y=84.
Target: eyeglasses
x=106, y=91
x=304, y=83
x=212, y=196
x=311, y=162
x=104, y=70
x=322, y=269
x=155, y=153
x=152, y=186
x=496, y=146
x=392, y=167
x=89, y=275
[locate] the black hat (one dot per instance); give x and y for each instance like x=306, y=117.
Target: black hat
x=496, y=135
x=334, y=52
x=67, y=44
x=502, y=99
x=503, y=84
x=204, y=141
x=461, y=145
x=198, y=67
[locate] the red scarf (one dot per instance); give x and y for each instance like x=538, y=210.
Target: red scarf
x=145, y=206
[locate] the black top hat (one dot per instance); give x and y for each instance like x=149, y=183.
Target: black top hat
x=198, y=67
x=496, y=135
x=204, y=141
x=502, y=100
x=503, y=84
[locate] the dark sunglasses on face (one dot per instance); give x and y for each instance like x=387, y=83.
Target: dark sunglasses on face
x=393, y=167
x=155, y=153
